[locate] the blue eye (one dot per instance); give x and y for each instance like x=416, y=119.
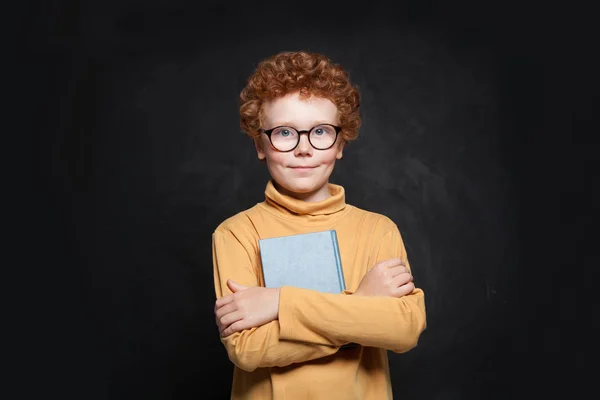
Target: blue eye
x=319, y=131
x=285, y=132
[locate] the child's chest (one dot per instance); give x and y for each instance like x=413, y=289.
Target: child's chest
x=356, y=246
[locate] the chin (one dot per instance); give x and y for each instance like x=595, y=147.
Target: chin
x=302, y=187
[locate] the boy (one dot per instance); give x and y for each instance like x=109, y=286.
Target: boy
x=288, y=343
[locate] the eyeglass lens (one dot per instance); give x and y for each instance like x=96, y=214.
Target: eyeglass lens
x=321, y=137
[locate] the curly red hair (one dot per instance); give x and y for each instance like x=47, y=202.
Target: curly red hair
x=306, y=73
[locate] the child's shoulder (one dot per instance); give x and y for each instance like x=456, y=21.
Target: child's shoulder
x=377, y=220
x=238, y=222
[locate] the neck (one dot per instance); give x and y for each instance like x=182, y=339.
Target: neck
x=320, y=194
x=332, y=203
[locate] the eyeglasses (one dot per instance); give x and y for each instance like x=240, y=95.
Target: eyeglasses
x=286, y=138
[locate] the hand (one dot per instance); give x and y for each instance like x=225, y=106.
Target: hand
x=387, y=278
x=245, y=308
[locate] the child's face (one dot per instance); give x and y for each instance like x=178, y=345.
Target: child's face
x=309, y=183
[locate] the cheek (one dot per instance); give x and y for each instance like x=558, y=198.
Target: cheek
x=275, y=158
x=328, y=157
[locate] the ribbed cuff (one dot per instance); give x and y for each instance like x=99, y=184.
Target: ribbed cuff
x=286, y=317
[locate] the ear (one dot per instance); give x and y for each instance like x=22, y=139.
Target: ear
x=259, y=148
x=340, y=151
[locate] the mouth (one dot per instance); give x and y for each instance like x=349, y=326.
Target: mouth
x=302, y=168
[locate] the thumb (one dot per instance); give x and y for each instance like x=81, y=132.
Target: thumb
x=234, y=286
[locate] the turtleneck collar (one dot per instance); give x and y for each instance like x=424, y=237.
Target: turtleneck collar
x=291, y=206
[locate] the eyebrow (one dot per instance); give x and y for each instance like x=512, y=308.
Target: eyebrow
x=315, y=123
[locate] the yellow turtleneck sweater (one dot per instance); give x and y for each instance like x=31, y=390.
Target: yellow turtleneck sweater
x=298, y=356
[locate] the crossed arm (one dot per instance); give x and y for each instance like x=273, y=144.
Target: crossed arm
x=263, y=327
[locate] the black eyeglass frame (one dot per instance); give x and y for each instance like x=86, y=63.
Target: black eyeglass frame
x=307, y=132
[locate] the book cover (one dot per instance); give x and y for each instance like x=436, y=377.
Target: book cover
x=308, y=261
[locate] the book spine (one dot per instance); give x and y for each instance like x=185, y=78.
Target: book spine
x=338, y=260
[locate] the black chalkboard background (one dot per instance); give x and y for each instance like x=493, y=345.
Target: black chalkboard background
x=474, y=118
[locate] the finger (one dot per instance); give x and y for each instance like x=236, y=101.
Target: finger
x=402, y=279
x=223, y=300
x=226, y=309
x=405, y=289
x=227, y=320
x=393, y=262
x=235, y=287
x=397, y=270
x=233, y=328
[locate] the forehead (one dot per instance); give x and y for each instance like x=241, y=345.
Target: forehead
x=297, y=112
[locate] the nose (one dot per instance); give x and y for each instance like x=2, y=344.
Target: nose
x=304, y=147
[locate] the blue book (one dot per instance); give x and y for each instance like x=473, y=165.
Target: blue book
x=308, y=261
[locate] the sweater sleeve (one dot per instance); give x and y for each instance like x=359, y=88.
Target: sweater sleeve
x=261, y=346
x=375, y=321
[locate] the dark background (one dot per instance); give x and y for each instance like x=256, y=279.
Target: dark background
x=474, y=142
